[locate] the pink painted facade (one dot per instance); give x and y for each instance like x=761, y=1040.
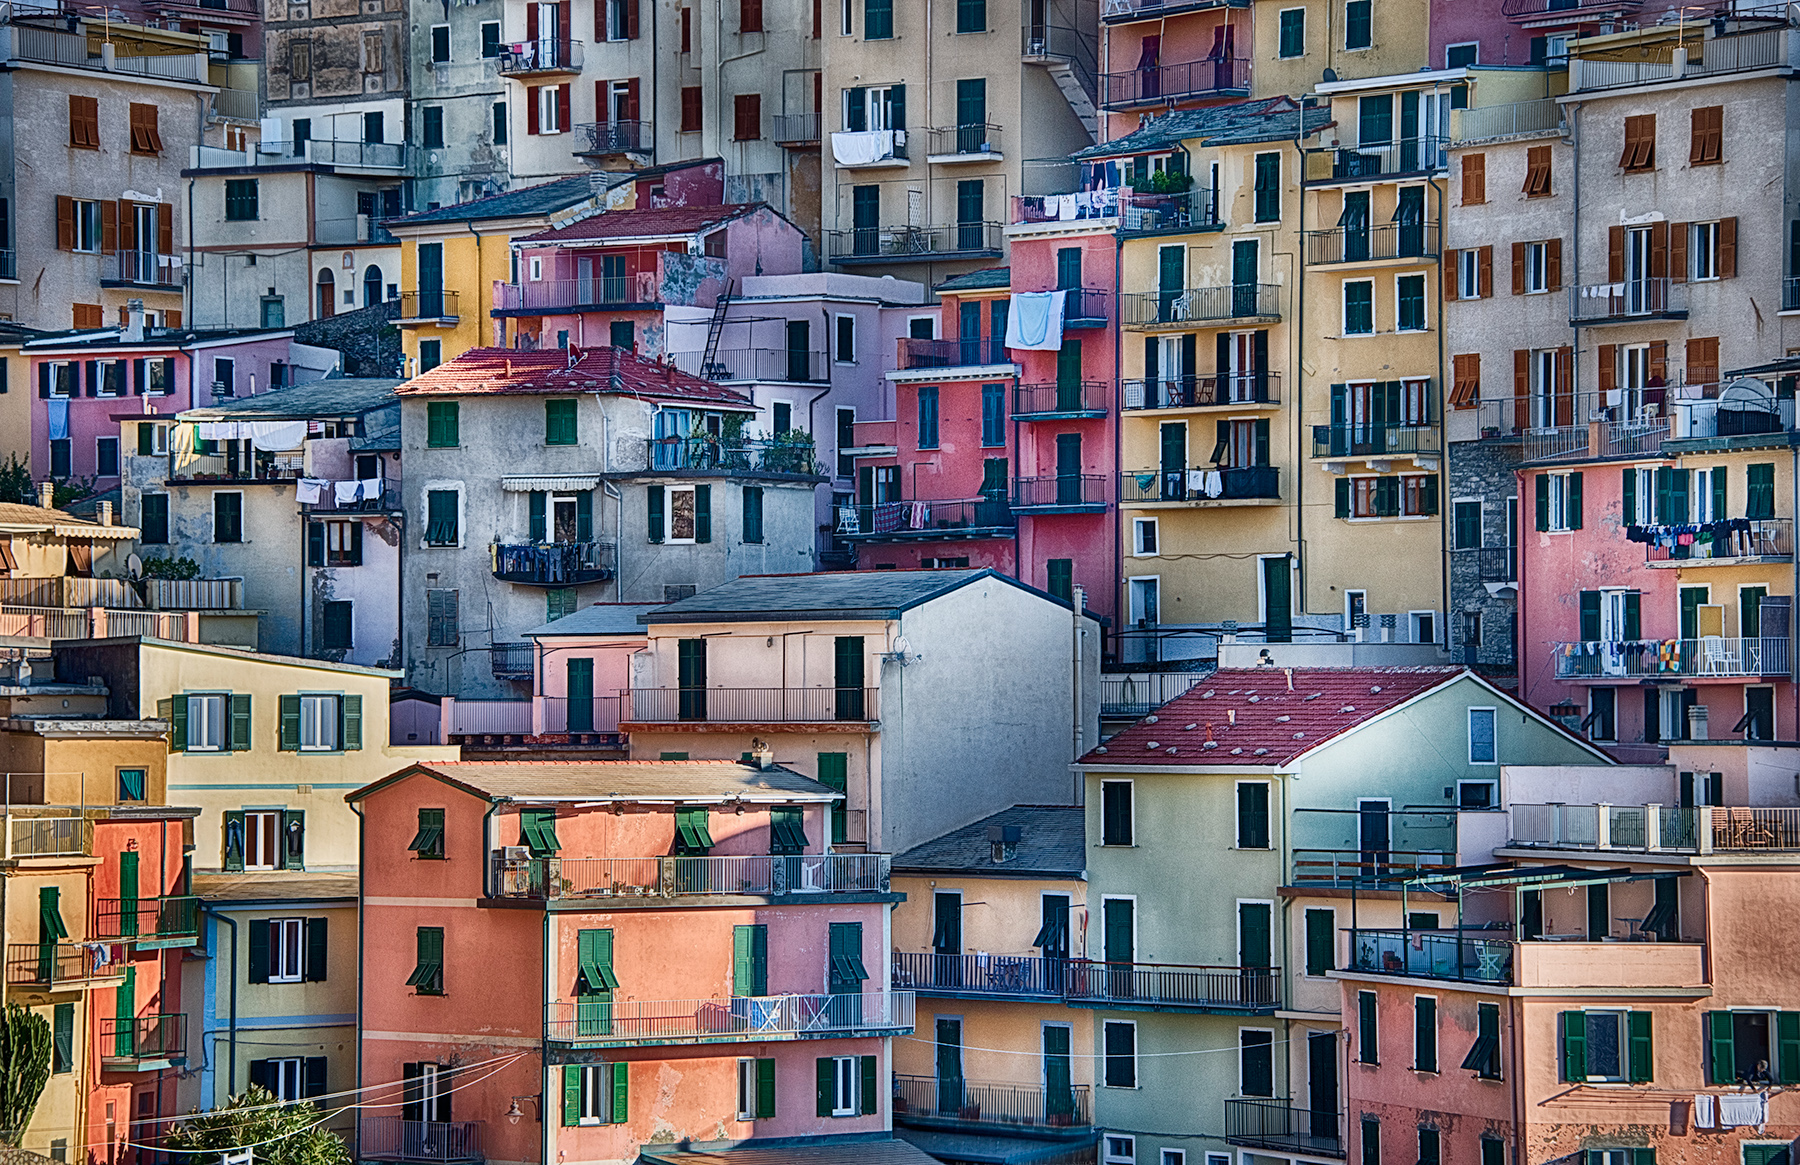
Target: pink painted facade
x=1172, y=61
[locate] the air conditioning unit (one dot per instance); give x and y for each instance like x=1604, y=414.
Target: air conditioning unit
x=515, y=853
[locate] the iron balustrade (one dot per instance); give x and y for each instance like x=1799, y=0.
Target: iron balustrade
x=1149, y=84
x=552, y=564
x=1344, y=867
x=1373, y=440
x=1652, y=828
x=143, y=268
x=1755, y=829
x=1179, y=485
x=786, y=453
x=147, y=919
x=1790, y=290
x=1709, y=655
x=1352, y=163
x=596, y=1022
x=512, y=661
x=1085, y=306
x=1174, y=985
x=1357, y=244
x=1765, y=538
x=1190, y=392
x=636, y=286
x=1498, y=564
x=1145, y=212
x=393, y=1138
x=1628, y=299
x=1238, y=301
x=544, y=55
x=690, y=877
x=1276, y=1124
x=126, y=1042
x=428, y=305
x=1061, y=398
x=1042, y=208
x=924, y=520
x=975, y=351
x=909, y=243
x=1463, y=955
x=972, y=139
x=749, y=705
x=1059, y=490
x=565, y=715
x=9, y=264
x=951, y=1098
x=796, y=365
x=999, y=975
x=615, y=137
x=57, y=964
x=1140, y=695
x=796, y=129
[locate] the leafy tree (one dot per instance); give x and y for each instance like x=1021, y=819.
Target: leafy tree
x=24, y=1069
x=176, y=568
x=15, y=482
x=283, y=1134
x=73, y=489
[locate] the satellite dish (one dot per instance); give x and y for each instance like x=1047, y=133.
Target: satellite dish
x=901, y=646
x=134, y=564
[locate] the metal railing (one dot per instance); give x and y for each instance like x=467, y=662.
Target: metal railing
x=176, y=916
x=54, y=964
x=1060, y=399
x=1190, y=392
x=1596, y=441
x=68, y=591
x=600, y=714
x=749, y=705
x=70, y=50
x=512, y=661
x=971, y=140
x=1790, y=292
x=634, y=287
x=1388, y=240
x=1081, y=304
x=147, y=1037
x=552, y=564
x=46, y=837
x=1499, y=121
x=1373, y=440
x=933, y=1098
x=490, y=718
x=1175, y=985
x=9, y=264
x=1653, y=828
x=319, y=151
x=1153, y=84
x=1001, y=975
x=796, y=129
x=1276, y=1124
x=237, y=104
x=1709, y=655
x=1581, y=9
x=1059, y=490
x=1063, y=47
x=794, y=365
x=1144, y=693
x=924, y=519
x=890, y=145
x=901, y=243
x=1238, y=301
x=1343, y=867
x=144, y=268
x=1123, y=10
x=690, y=877
x=1755, y=829
x=392, y=1138
x=1597, y=303
x=1180, y=485
x=1702, y=57
x=740, y=1018
x=1462, y=955
x=195, y=594
x=1492, y=563
x=615, y=137
x=749, y=455
x=1765, y=538
x=1091, y=204
x=427, y=305
x=1143, y=212
x=544, y=55
x=1347, y=163
x=975, y=351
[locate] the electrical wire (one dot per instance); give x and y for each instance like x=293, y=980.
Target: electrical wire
x=1232, y=1049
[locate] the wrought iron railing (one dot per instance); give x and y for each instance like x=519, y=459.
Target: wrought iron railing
x=907, y=243
x=1497, y=564
x=1144, y=212
x=593, y=1022
x=544, y=55
x=1388, y=240
x=147, y=1037
x=1276, y=1124
x=787, y=453
x=1189, y=392
x=998, y=975
x=974, y=351
x=57, y=964
x=796, y=365
x=1761, y=538
x=1199, y=484
x=1144, y=692
x=636, y=285
x=512, y=661
x=428, y=305
x=1177, y=82
x=1709, y=655
x=1061, y=398
x=1238, y=301
x=552, y=564
x=615, y=137
x=393, y=1138
x=1373, y=440
x=690, y=877
x=1449, y=953
x=149, y=919
x=1701, y=57
x=951, y=1098
x=749, y=705
x=1175, y=985
x=1417, y=155
x=973, y=139
x=1343, y=867
x=1598, y=303
x=1062, y=489
x=922, y=519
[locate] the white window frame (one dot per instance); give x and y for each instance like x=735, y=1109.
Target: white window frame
x=321, y=720
x=1558, y=485
x=1344, y=310
x=1417, y=622
x=1468, y=273
x=287, y=945
x=286, y=1071
x=1556, y=49
x=1140, y=546
x=548, y=111
x=210, y=731
x=1701, y=495
x=1136, y=585
x=87, y=227
x=846, y=1082
x=1703, y=251
x=1350, y=612
x=1622, y=1045
x=1114, y=1148
x=432, y=41
x=1462, y=44
x=847, y=18
x=837, y=338
x=535, y=267
x=253, y=835
x=746, y=1094
x=1424, y=302
x=1132, y=823
x=1283, y=12
x=595, y=1091
x=1537, y=268
x=1646, y=498
x=1133, y=899
x=1493, y=715
x=1218, y=1159
x=668, y=530
x=615, y=20
x=1268, y=1031
x=1174, y=1157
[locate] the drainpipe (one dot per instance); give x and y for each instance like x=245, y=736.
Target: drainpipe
x=231, y=1041
x=1444, y=490
x=1295, y=365
x=1793, y=508
x=1122, y=607
x=362, y=944
x=1079, y=594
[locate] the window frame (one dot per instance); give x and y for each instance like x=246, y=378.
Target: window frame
x=1107, y=1058
x=1344, y=321
x=1493, y=718
x=1423, y=323
x=1130, y=822
x=253, y=833
x=846, y=1086
x=1281, y=53
x=1142, y=547
x=287, y=942
x=326, y=713
x=219, y=724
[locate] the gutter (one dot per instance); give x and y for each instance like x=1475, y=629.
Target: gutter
x=231, y=1042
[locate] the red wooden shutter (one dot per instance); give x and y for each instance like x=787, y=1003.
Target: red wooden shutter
x=531, y=22
x=1727, y=248
x=531, y=109
x=562, y=109
x=631, y=19
x=165, y=229
x=631, y=100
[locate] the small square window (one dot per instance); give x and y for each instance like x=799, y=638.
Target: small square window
x=133, y=784
x=1143, y=536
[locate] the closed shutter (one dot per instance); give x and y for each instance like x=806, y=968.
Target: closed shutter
x=1590, y=616
x=1253, y=815
x=316, y=936
x=703, y=513
x=1321, y=940
x=539, y=522
x=1425, y=1034
x=1553, y=265
x=312, y=1077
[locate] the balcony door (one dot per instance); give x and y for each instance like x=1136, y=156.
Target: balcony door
x=586, y=291
x=580, y=676
x=1242, y=366
x=1068, y=376
x=144, y=217
x=1171, y=278
x=1353, y=221
x=1119, y=937
x=1059, y=1091
x=848, y=677
x=971, y=201
x=431, y=280
x=865, y=219
x=1322, y=1085
x=691, y=678
x=1372, y=836
x=1243, y=278
x=799, y=349
x=1639, y=291
x=946, y=938
x=1068, y=469
x=949, y=1066
x=1278, y=602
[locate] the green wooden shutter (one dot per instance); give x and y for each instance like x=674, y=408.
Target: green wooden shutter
x=50, y=920
x=748, y=977
x=1719, y=475
x=1262, y=442
x=765, y=1089
x=540, y=523
x=1628, y=488
x=1590, y=616
x=1641, y=1057
x=1342, y=508
x=1321, y=952
x=1680, y=481
x=1759, y=502
x=826, y=1069
x=1647, y=1155
x=1543, y=501
x=1574, y=503
x=1574, y=1046
x=834, y=771
x=621, y=1092
x=1253, y=815
x=128, y=893
x=125, y=1015
x=1633, y=615
x=653, y=494
x=233, y=859
x=291, y=845
x=240, y=724
x=870, y=1091
x=571, y=1108
x=1425, y=1035
x=175, y=712
x=1787, y=1046
x=1367, y=1051
x=290, y=724
x=350, y=736
x=315, y=544
x=316, y=938
x=703, y=513
x=312, y=1077
x=259, y=950
x=62, y=1029
x=584, y=516
x=1255, y=948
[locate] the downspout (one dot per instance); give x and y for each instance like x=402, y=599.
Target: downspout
x=362, y=945
x=1794, y=508
x=1122, y=607
x=189, y=295
x=231, y=1022
x=1444, y=490
x=1296, y=365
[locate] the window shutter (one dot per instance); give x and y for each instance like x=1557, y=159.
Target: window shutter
x=109, y=226
x=316, y=931
x=1518, y=268
x=260, y=1075
x=1640, y=1059
x=621, y=1092
x=292, y=842
x=562, y=109
x=1590, y=616
x=240, y=723
x=290, y=724
x=1678, y=251
x=1484, y=272
x=654, y=495
x=350, y=736
x=871, y=1095
x=233, y=857
x=1615, y=254
x=703, y=513
x=571, y=1112
x=584, y=516
x=1727, y=248
x=1722, y=1063
x=531, y=93
x=315, y=533
x=1628, y=492
x=165, y=218
x=539, y=519
x=1787, y=1047
x=65, y=227
x=765, y=1089
x=1574, y=515
x=1452, y=283
x=1574, y=1046
x=631, y=19
x=312, y=1077
x=259, y=949
x=1428, y=495
x=1719, y=474
x=1343, y=498
x=1644, y=1156
x=826, y=1073
x=1633, y=620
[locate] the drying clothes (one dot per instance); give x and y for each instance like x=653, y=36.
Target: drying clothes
x=1703, y=1110
x=863, y=148
x=222, y=430
x=371, y=489
x=276, y=436
x=310, y=490
x=59, y=418
x=348, y=492
x=1736, y=1109
x=1035, y=322
x=1214, y=485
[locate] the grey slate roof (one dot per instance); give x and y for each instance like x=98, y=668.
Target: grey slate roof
x=703, y=781
x=989, y=1149
x=884, y=1152
x=1266, y=119
x=381, y=430
x=544, y=198
x=332, y=397
x=598, y=619
x=1052, y=841
x=986, y=279
x=871, y=594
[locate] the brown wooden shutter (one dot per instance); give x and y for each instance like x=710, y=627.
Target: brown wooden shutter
x=1678, y=251
x=87, y=315
x=1521, y=388
x=1518, y=268
x=1615, y=254
x=1474, y=179
x=1608, y=357
x=750, y=16
x=1706, y=136
x=109, y=226
x=65, y=223
x=1465, y=391
x=1453, y=280
x=1484, y=272
x=1563, y=367
x=600, y=20
x=562, y=109
x=531, y=104
x=691, y=99
x=1630, y=150
x=1659, y=361
x=631, y=19
x=531, y=22
x=1727, y=248
x=1659, y=250
x=1553, y=264
x=565, y=14
x=602, y=107
x=1702, y=360
x=173, y=317
x=128, y=239
x=165, y=229
x=631, y=100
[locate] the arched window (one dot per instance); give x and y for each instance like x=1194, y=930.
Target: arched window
x=372, y=286
x=327, y=297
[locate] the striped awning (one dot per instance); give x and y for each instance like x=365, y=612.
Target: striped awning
x=550, y=484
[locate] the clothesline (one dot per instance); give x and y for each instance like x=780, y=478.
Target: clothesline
x=310, y=490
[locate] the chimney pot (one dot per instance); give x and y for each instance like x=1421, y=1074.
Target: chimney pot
x=47, y=494
x=106, y=513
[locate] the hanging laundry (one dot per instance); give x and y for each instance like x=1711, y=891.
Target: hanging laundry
x=348, y=492
x=59, y=418
x=1703, y=1110
x=310, y=490
x=1738, y=1109
x=1035, y=321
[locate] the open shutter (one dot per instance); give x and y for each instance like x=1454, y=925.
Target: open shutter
x=312, y=1077
x=654, y=495
x=65, y=225
x=316, y=931
x=1574, y=514
x=1722, y=1062
x=1640, y=1058
x=290, y=722
x=1452, y=282
x=350, y=730
x=1678, y=251
x=584, y=516
x=1342, y=508
x=1590, y=616
x=165, y=229
x=259, y=950
x=539, y=520
x=1553, y=264
x=531, y=96
x=240, y=723
x=703, y=513
x=1633, y=615
x=292, y=842
x=1727, y=248
x=1719, y=475
x=234, y=841
x=315, y=546
x=1787, y=1047
x=621, y=1092
x=1543, y=501
x=631, y=19
x=1628, y=491
x=571, y=1108
x=1574, y=1045
x=765, y=1089
x=1615, y=254
x=562, y=109
x=826, y=1071
x=1518, y=268
x=870, y=1093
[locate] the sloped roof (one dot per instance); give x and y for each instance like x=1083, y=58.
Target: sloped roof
x=18, y=517
x=655, y=223
x=332, y=397
x=1052, y=841
x=544, y=198
x=822, y=1152
x=1265, y=119
x=858, y=594
x=496, y=371
x=708, y=781
x=984, y=279
x=1256, y=717
x=597, y=619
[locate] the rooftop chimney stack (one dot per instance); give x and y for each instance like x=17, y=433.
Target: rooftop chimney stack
x=106, y=513
x=47, y=494
x=134, y=322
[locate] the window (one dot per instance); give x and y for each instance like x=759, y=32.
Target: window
x=1358, y=18
x=1418, y=496
x=846, y=340
x=62, y=1038
x=1703, y=250
x=550, y=104
x=499, y=140
x=928, y=416
x=430, y=351
x=1410, y=300
x=1461, y=56
x=1466, y=525
x=441, y=517
x=373, y=131
x=1474, y=179
x=1537, y=172
x=1481, y=737
x=692, y=838
x=1371, y=1140
x=1253, y=815
x=1640, y=143
x=240, y=200
x=1121, y=1054
x=287, y=950
x=1617, y=1045
x=559, y=422
x=1256, y=1062
x=1537, y=267
x=428, y=969
x=1359, y=307
x=1143, y=536
x=971, y=16
x=261, y=833
x=334, y=543
x=432, y=127
x=1321, y=941
x=747, y=117
x=1268, y=187
x=441, y=627
x=429, y=841
x=84, y=122
x=693, y=106
x=1293, y=33
x=878, y=19
x=756, y=1089
x=78, y=228
x=1367, y=1049
x=1559, y=501
x=1484, y=1055
x=1116, y=824
x=1429, y=1147
x=1176, y=1157
x=228, y=517
x=1706, y=145
x=440, y=44
x=1424, y=1034
x=144, y=136
x=847, y=1086
x=1059, y=577
x=106, y=457
x=1759, y=502
x=153, y=519
x=1145, y=595
x=993, y=415
x=490, y=40
x=1117, y=1150
x=132, y=784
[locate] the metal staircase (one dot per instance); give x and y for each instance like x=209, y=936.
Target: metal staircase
x=1069, y=59
x=709, y=368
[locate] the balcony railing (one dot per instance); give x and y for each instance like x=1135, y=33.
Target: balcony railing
x=553, y=564
x=1373, y=440
x=1755, y=829
x=578, y=716
x=615, y=137
x=750, y=705
x=1064, y=399
x=1143, y=693
x=237, y=104
x=47, y=837
x=192, y=594
x=1358, y=163
x=1276, y=1124
x=70, y=50
x=1191, y=392
x=428, y=305
x=1596, y=440
x=1766, y=538
x=9, y=264
x=92, y=623
x=926, y=520
x=951, y=1099
x=913, y=243
x=1388, y=240
x=1344, y=867
x=1147, y=213
x=490, y=718
x=744, y=1018
x=1709, y=655
x=796, y=129
x=138, y=1044
x=1156, y=84
x=1072, y=207
x=142, y=269
x=149, y=921
x=1181, y=485
x=858, y=148
x=972, y=141
x=1630, y=299
x=545, y=55
x=1564, y=9
x=976, y=352
x=1199, y=305
x=794, y=365
x=1008, y=976
x=1467, y=956
x=318, y=151
x=1500, y=121
x=1063, y=491
x=1174, y=985
x=47, y=965
x=392, y=1138
x=690, y=877
x=630, y=290
x=1496, y=564
x=1790, y=291
x=704, y=453
x=1652, y=828
x=1704, y=57
x=512, y=661
x=1120, y=11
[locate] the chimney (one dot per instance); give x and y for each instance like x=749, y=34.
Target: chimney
x=47, y=494
x=134, y=322
x=106, y=513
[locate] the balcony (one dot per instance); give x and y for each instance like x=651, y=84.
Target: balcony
x=603, y=138
x=1231, y=305
x=118, y=594
x=392, y=1138
x=789, y=455
x=973, y=142
x=797, y=129
x=1124, y=11
x=1158, y=85
x=1200, y=485
x=1143, y=693
x=433, y=308
x=1790, y=288
x=610, y=879
x=982, y=976
x=1067, y=400
x=1708, y=657
x=553, y=564
x=145, y=1044
x=95, y=623
x=512, y=661
x=1496, y=122
x=1275, y=1124
x=490, y=718
x=344, y=155
x=1577, y=427
x=1704, y=56
x=630, y=291
x=591, y=1023
x=934, y=521
x=149, y=923
x=70, y=50
x=1374, y=441
x=1239, y=389
x=912, y=354
x=560, y=714
x=1063, y=493
x=144, y=269
x=1352, y=867
x=1085, y=307
x=1565, y=11
x=1149, y=213
x=234, y=466
x=1174, y=987
x=764, y=365
x=772, y=706
x=539, y=58
x=1654, y=828
x=1364, y=244
x=47, y=837
x=955, y=1103
x=1375, y=161
x=9, y=264
x=237, y=105
x=910, y=244
x=1095, y=206
x=1491, y=564
x=1767, y=540
x=1465, y=956
x=1629, y=301
x=875, y=149
x=57, y=967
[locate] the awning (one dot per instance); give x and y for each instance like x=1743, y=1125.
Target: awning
x=566, y=482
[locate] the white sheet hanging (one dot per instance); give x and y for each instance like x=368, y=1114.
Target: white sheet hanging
x=276, y=436
x=310, y=490
x=1035, y=321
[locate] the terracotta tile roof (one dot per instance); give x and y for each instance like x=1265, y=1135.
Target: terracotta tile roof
x=490, y=371
x=1253, y=716
x=658, y=222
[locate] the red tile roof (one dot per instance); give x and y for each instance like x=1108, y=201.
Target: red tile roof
x=1265, y=716
x=656, y=223
x=488, y=371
